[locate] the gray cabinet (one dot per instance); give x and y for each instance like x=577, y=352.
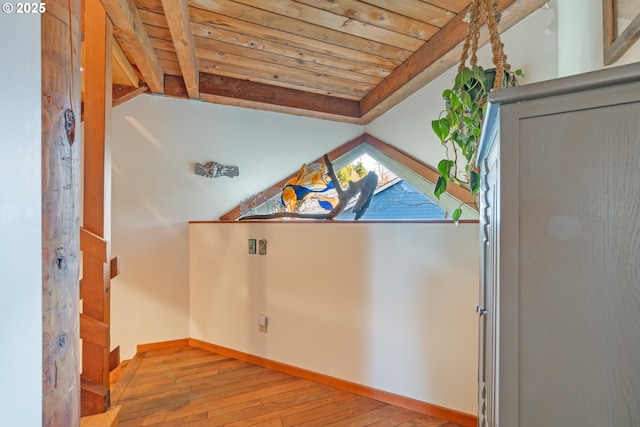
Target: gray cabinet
x=560, y=248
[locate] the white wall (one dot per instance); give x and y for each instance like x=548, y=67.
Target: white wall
x=583, y=53
x=20, y=222
x=156, y=141
x=384, y=305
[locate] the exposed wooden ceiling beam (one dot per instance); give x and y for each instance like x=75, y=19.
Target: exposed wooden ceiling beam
x=174, y=86
x=245, y=93
x=129, y=29
x=434, y=58
x=123, y=72
x=227, y=71
x=121, y=93
x=177, y=14
x=253, y=91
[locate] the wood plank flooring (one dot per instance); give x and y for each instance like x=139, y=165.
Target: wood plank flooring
x=191, y=387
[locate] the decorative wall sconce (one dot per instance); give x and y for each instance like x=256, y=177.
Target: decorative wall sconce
x=213, y=169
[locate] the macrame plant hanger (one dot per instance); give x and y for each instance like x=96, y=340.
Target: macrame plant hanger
x=489, y=10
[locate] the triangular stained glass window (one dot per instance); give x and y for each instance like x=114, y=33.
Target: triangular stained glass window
x=401, y=194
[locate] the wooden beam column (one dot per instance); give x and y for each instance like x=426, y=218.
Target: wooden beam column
x=96, y=231
x=60, y=42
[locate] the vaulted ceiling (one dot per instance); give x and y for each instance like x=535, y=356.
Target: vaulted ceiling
x=345, y=60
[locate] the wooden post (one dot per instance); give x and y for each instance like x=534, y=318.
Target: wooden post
x=60, y=42
x=96, y=209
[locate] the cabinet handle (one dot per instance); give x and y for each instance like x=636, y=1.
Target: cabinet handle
x=480, y=310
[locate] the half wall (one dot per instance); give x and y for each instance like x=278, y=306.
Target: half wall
x=385, y=305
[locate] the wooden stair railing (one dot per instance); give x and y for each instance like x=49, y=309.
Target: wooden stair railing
x=95, y=334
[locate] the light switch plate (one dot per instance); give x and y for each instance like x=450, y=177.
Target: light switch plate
x=263, y=322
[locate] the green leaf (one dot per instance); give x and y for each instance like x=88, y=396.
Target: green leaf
x=456, y=215
x=452, y=99
x=454, y=117
x=468, y=153
x=461, y=140
x=467, y=74
x=478, y=73
x=447, y=95
x=470, y=150
x=469, y=122
x=460, y=79
x=441, y=128
x=441, y=187
x=444, y=167
x=474, y=182
x=465, y=99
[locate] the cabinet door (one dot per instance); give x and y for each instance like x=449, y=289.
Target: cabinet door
x=577, y=354
x=488, y=284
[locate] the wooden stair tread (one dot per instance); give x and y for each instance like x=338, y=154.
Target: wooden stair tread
x=117, y=372
x=106, y=419
x=123, y=380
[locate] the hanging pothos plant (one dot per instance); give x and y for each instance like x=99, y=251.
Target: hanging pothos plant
x=459, y=125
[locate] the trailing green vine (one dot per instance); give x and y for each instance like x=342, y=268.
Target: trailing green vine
x=459, y=125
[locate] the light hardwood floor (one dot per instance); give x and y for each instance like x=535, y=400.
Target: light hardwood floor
x=191, y=387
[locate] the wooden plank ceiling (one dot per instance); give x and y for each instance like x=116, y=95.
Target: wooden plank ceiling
x=345, y=60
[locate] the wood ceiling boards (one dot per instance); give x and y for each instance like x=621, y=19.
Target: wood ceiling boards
x=344, y=60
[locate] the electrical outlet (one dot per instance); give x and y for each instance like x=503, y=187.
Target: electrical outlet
x=263, y=322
